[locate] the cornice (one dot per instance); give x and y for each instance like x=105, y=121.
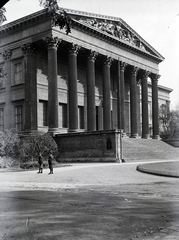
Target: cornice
x=113, y=40
x=22, y=22
x=116, y=19
x=74, y=14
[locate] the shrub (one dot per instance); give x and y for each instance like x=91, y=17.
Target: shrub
x=9, y=142
x=31, y=146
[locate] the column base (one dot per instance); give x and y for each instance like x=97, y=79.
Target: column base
x=146, y=136
x=73, y=130
x=53, y=131
x=156, y=137
x=134, y=135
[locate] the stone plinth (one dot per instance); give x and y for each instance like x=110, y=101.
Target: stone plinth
x=97, y=146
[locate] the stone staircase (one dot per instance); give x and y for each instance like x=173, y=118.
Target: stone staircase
x=147, y=149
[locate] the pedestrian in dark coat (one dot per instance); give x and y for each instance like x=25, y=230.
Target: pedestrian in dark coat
x=50, y=162
x=40, y=162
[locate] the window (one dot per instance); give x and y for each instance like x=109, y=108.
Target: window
x=1, y=119
x=2, y=75
x=18, y=117
x=43, y=113
x=62, y=115
x=18, y=73
x=81, y=117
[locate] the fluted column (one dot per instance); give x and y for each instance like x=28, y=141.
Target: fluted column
x=53, y=104
x=121, y=96
x=133, y=103
x=72, y=87
x=8, y=123
x=91, y=108
x=155, y=119
x=138, y=87
x=29, y=65
x=145, y=115
x=107, y=94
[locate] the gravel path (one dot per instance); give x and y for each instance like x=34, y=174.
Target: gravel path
x=89, y=201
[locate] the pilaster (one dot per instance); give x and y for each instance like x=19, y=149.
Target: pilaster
x=8, y=109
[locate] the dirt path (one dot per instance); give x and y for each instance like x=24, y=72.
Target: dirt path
x=89, y=201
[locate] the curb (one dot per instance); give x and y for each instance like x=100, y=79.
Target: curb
x=152, y=168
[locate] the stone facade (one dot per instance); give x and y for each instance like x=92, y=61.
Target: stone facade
x=102, y=76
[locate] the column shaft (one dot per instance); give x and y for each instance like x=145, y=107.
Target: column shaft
x=53, y=104
x=138, y=109
x=30, y=87
x=107, y=95
x=72, y=88
x=133, y=103
x=91, y=108
x=121, y=96
x=155, y=120
x=145, y=115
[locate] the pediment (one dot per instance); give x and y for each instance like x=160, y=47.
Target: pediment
x=116, y=28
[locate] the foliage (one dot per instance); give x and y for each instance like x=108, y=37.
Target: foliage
x=168, y=122
x=59, y=17
x=9, y=142
x=2, y=15
x=31, y=146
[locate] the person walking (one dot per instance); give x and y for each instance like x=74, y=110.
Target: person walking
x=50, y=162
x=40, y=162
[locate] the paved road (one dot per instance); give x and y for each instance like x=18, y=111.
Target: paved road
x=88, y=201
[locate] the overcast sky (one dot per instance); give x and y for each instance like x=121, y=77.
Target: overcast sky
x=157, y=21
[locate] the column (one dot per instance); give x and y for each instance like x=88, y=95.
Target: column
x=72, y=87
x=29, y=65
x=145, y=115
x=91, y=108
x=155, y=120
x=133, y=103
x=107, y=94
x=8, y=117
x=53, y=104
x=138, y=87
x=121, y=96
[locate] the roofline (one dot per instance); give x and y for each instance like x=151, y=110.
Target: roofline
x=41, y=14
x=108, y=17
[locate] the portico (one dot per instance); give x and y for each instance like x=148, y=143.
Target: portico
x=95, y=78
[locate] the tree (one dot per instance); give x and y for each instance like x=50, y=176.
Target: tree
x=59, y=16
x=168, y=122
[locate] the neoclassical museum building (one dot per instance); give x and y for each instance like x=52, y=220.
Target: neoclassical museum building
x=102, y=76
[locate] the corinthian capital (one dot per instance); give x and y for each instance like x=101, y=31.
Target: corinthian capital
x=74, y=48
x=123, y=65
x=52, y=41
x=134, y=70
x=146, y=74
x=92, y=55
x=7, y=54
x=108, y=60
x=28, y=48
x=155, y=77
